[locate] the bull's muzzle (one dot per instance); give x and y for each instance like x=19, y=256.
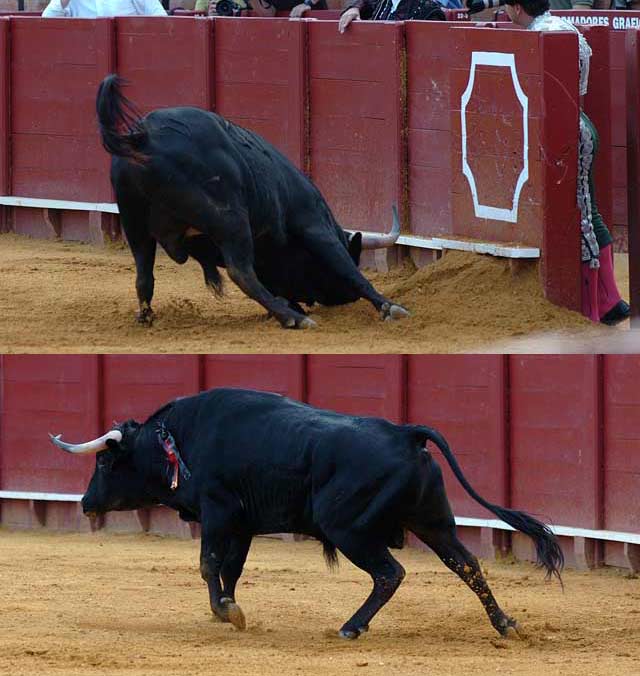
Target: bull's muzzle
x=99, y=444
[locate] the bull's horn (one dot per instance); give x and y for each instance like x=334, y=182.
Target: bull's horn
x=374, y=240
x=99, y=444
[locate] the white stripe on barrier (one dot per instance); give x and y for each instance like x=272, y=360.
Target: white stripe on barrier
x=28, y=495
x=42, y=203
x=436, y=243
x=614, y=536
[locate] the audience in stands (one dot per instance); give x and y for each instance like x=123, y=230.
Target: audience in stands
x=89, y=9
x=391, y=10
x=601, y=299
x=267, y=7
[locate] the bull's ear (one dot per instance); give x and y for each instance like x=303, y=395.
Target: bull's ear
x=355, y=246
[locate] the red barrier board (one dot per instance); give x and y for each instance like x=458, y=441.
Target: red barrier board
x=5, y=186
x=633, y=164
x=358, y=384
x=617, y=23
x=260, y=76
x=356, y=94
x=135, y=386
x=168, y=60
x=283, y=374
x=430, y=51
x=56, y=67
x=555, y=438
x=464, y=398
x=622, y=442
x=42, y=394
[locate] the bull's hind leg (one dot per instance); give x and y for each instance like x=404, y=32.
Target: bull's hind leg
x=135, y=223
x=387, y=574
x=445, y=543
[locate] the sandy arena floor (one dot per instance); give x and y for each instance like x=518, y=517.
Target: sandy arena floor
x=68, y=297
x=106, y=604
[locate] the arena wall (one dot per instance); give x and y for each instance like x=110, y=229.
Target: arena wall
x=556, y=435
x=386, y=113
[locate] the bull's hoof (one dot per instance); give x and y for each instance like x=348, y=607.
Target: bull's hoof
x=145, y=316
x=392, y=311
x=236, y=616
x=351, y=633
x=299, y=323
x=510, y=629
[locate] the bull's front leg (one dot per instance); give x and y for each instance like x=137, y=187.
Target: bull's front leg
x=238, y=256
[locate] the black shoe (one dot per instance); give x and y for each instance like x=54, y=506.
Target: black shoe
x=618, y=313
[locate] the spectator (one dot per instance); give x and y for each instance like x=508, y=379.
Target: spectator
x=89, y=9
x=270, y=7
x=391, y=10
x=601, y=299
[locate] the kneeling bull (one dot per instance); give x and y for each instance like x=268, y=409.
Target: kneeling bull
x=244, y=463
x=208, y=189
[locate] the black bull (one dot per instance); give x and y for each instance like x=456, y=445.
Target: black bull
x=257, y=463
x=207, y=189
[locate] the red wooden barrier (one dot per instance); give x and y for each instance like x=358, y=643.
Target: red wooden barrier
x=617, y=23
x=44, y=394
x=5, y=176
x=169, y=61
x=555, y=438
x=465, y=398
x=356, y=90
x=357, y=384
x=135, y=386
x=633, y=143
x=260, y=77
x=431, y=50
x=284, y=374
x=56, y=69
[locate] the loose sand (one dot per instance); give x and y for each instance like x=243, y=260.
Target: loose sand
x=133, y=605
x=66, y=297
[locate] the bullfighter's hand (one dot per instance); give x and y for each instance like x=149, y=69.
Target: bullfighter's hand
x=350, y=15
x=211, y=8
x=299, y=10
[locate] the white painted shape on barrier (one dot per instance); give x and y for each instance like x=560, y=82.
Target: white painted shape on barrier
x=506, y=61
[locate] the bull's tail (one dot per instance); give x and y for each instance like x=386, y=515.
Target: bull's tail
x=122, y=130
x=548, y=550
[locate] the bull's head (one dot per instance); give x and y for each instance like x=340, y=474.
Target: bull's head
x=121, y=478
x=359, y=241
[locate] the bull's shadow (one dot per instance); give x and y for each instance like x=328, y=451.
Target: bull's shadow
x=208, y=189
x=245, y=463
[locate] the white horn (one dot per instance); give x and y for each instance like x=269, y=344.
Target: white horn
x=99, y=444
x=381, y=240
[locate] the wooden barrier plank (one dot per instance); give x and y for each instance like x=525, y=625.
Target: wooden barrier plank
x=555, y=438
x=5, y=130
x=465, y=398
x=135, y=386
x=260, y=79
x=560, y=269
x=357, y=88
x=41, y=394
x=633, y=171
x=358, y=384
x=621, y=442
x=56, y=69
x=167, y=60
x=281, y=373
